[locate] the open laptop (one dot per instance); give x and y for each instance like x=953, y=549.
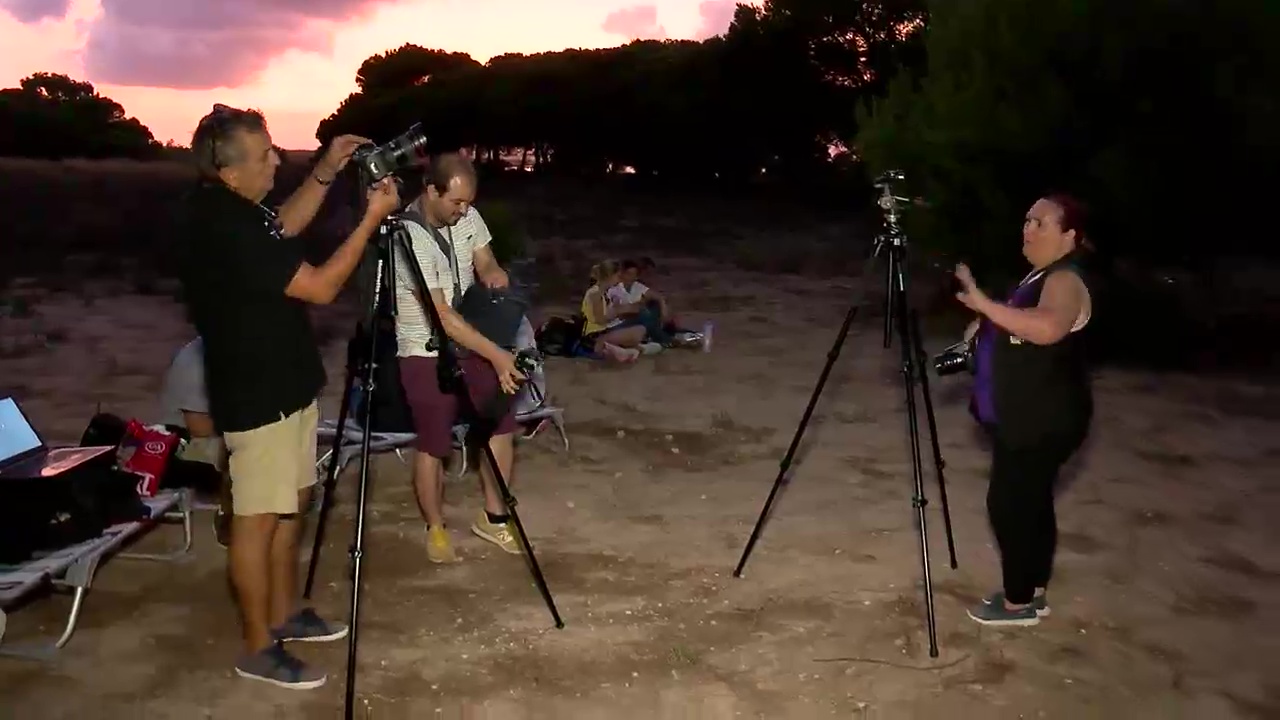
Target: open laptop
x=24, y=454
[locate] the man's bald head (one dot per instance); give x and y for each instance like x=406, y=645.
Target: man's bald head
x=445, y=169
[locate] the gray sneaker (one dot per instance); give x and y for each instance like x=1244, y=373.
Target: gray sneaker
x=307, y=626
x=276, y=666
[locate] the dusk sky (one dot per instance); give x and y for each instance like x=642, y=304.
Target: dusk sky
x=168, y=61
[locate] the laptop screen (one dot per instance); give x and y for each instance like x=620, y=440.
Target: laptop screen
x=16, y=434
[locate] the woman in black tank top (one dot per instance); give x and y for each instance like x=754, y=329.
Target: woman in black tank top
x=1031, y=392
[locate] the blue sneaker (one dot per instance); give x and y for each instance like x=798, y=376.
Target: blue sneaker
x=995, y=613
x=307, y=626
x=277, y=667
x=1039, y=602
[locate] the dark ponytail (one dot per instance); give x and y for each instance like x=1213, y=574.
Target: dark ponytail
x=1074, y=216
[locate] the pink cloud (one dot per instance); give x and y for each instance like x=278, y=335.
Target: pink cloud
x=716, y=17
x=34, y=11
x=195, y=45
x=638, y=22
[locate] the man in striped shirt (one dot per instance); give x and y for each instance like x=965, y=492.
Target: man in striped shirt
x=449, y=187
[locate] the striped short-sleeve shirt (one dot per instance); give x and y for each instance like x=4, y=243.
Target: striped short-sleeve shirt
x=413, y=325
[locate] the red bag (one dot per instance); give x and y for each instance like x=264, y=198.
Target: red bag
x=145, y=452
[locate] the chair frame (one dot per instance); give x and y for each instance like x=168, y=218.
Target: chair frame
x=74, y=568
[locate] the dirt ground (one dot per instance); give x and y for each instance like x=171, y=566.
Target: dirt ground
x=1165, y=600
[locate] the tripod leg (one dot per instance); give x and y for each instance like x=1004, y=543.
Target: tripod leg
x=357, y=545
x=330, y=481
x=510, y=501
x=938, y=462
x=795, y=440
x=918, y=501
x=890, y=295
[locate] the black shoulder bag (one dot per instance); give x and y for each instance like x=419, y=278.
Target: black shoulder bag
x=496, y=314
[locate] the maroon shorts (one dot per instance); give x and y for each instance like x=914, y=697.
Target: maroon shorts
x=434, y=412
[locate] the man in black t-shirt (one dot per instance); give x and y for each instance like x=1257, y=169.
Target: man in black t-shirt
x=247, y=288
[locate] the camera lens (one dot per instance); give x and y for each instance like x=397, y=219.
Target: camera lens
x=954, y=359
x=404, y=149
x=948, y=364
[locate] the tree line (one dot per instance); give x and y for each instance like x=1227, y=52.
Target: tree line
x=52, y=116
x=1160, y=114
x=777, y=93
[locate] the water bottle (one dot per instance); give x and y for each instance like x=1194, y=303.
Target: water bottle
x=706, y=336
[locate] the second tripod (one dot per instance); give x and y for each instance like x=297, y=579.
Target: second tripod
x=393, y=239
x=892, y=244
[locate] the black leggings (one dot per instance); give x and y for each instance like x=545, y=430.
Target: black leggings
x=1020, y=507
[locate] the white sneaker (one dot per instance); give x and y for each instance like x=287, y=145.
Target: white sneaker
x=650, y=348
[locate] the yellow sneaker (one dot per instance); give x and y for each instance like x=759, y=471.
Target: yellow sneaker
x=504, y=536
x=439, y=549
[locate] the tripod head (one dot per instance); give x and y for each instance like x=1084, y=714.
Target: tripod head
x=388, y=227
x=888, y=201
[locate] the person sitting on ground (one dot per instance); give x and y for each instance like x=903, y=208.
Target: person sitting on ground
x=647, y=276
x=638, y=304
x=603, y=331
x=185, y=405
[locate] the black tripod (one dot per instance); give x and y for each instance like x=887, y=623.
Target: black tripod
x=393, y=238
x=913, y=361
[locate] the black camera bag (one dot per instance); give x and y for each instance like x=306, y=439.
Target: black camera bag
x=49, y=513
x=494, y=313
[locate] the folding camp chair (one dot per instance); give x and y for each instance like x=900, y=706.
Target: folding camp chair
x=353, y=436
x=381, y=442
x=74, y=567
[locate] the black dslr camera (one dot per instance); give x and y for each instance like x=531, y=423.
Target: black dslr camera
x=954, y=359
x=376, y=162
x=529, y=361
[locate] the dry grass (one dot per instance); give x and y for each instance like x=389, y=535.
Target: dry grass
x=170, y=170
x=80, y=219
x=75, y=221
x=70, y=222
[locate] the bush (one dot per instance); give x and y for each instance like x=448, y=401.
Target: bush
x=1162, y=115
x=510, y=237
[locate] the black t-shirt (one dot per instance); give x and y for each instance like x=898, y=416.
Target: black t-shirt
x=261, y=357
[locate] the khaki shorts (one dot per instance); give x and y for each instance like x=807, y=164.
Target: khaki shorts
x=271, y=464
x=209, y=450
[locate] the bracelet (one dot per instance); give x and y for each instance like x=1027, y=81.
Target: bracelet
x=322, y=182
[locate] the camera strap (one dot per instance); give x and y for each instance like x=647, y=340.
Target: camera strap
x=451, y=256
x=447, y=248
